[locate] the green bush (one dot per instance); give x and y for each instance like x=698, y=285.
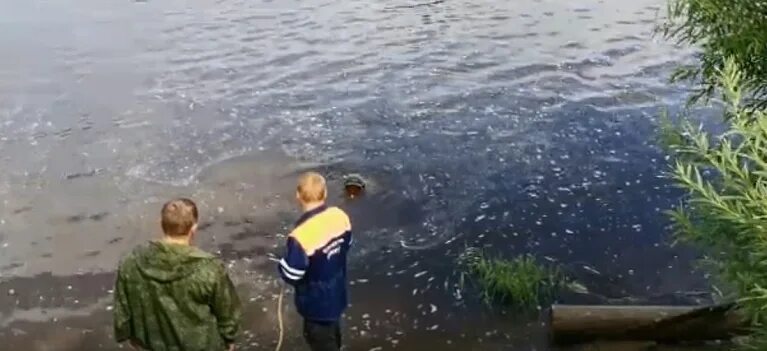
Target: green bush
x=735, y=29
x=725, y=210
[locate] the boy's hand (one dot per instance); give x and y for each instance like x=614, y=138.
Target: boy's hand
x=230, y=348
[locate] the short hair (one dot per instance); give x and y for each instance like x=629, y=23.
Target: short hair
x=311, y=187
x=179, y=216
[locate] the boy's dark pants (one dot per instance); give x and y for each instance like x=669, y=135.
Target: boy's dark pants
x=323, y=336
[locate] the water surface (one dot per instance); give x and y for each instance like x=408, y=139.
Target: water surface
x=515, y=126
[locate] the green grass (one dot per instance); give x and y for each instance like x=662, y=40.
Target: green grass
x=521, y=282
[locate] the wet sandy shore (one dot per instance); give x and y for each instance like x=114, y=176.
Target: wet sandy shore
x=389, y=312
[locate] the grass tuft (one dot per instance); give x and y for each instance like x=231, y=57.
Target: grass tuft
x=521, y=281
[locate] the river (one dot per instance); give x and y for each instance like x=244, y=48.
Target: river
x=515, y=126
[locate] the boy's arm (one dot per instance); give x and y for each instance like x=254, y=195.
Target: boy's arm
x=122, y=315
x=294, y=264
x=226, y=306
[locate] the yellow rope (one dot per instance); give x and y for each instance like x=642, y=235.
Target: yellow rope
x=279, y=319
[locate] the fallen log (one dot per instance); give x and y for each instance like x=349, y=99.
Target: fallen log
x=647, y=346
x=573, y=324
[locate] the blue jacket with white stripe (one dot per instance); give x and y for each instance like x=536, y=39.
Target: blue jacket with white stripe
x=315, y=263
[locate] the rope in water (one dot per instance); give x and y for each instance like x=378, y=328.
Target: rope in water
x=279, y=310
x=279, y=319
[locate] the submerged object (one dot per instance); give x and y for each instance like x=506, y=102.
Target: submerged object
x=574, y=324
x=354, y=185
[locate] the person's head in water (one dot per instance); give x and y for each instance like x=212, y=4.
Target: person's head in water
x=354, y=186
x=179, y=220
x=311, y=191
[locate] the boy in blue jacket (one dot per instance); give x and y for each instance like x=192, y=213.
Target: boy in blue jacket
x=315, y=264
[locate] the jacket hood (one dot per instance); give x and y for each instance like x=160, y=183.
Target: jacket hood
x=169, y=262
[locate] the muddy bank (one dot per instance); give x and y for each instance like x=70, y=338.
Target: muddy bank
x=246, y=209
x=404, y=300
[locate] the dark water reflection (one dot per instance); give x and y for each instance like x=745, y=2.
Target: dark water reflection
x=518, y=127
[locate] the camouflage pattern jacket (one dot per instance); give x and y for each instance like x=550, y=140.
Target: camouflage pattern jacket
x=172, y=297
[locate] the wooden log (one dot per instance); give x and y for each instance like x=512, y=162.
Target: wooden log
x=647, y=346
x=572, y=324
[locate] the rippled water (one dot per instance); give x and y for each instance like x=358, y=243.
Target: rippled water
x=518, y=126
